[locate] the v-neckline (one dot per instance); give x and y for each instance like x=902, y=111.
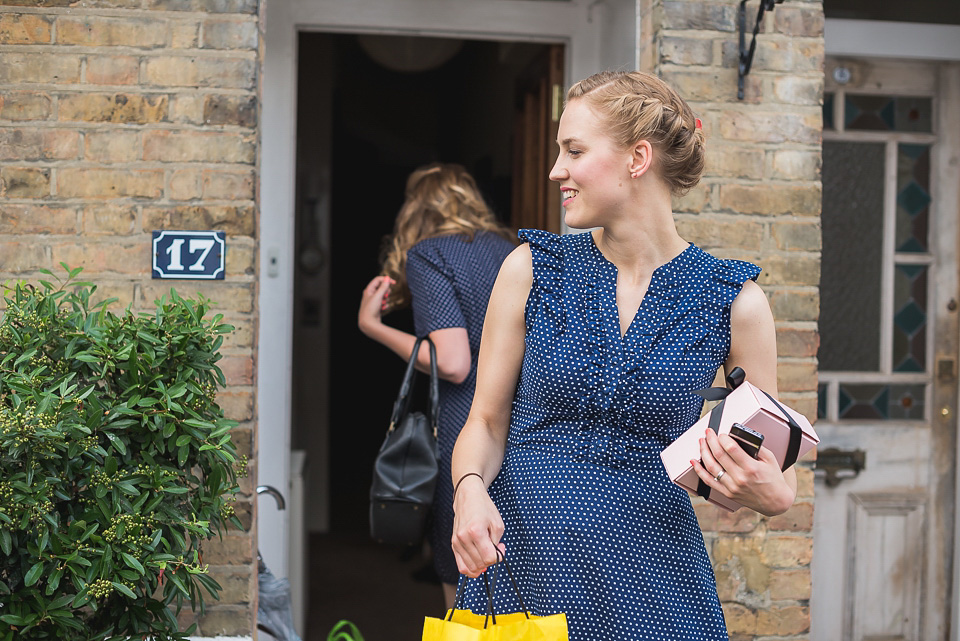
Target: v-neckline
x=621, y=334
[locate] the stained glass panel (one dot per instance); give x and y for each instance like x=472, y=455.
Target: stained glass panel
x=853, y=178
x=888, y=113
x=913, y=197
x=910, y=318
x=882, y=402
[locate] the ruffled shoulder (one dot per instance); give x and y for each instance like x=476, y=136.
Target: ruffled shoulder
x=729, y=276
x=547, y=252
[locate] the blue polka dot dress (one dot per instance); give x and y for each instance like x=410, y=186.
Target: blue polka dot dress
x=594, y=527
x=450, y=279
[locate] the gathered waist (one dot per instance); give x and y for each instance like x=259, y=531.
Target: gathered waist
x=602, y=445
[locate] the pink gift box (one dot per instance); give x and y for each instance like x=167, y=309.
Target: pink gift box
x=747, y=405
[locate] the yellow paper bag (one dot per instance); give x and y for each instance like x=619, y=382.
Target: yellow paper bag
x=464, y=625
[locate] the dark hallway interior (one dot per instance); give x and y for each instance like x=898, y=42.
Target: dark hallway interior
x=371, y=109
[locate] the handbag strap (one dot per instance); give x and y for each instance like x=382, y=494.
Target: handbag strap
x=402, y=405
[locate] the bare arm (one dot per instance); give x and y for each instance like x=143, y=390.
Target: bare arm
x=758, y=484
x=453, y=346
x=477, y=526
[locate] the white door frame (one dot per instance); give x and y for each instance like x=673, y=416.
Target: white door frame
x=598, y=35
x=911, y=41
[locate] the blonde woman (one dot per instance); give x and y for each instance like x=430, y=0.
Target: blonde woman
x=442, y=260
x=593, y=346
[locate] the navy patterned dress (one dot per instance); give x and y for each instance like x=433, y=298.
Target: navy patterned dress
x=594, y=527
x=450, y=279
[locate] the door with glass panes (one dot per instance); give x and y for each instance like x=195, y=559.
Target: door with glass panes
x=885, y=486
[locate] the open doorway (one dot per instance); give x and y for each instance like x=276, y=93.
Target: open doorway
x=370, y=110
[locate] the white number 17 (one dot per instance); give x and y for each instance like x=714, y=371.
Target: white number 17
x=196, y=244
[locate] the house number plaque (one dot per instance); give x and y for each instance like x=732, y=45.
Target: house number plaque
x=194, y=255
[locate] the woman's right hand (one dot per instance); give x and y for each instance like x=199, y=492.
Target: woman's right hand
x=477, y=528
x=372, y=302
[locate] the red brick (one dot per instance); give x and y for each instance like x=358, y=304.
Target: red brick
x=119, y=108
x=99, y=257
x=787, y=551
x=113, y=70
x=25, y=105
x=37, y=219
x=796, y=376
x=20, y=257
x=228, y=185
x=766, y=127
x=77, y=182
x=225, y=297
x=798, y=518
x=101, y=31
x=790, y=585
x=183, y=146
x=237, y=369
x=796, y=342
x=201, y=71
x=109, y=220
x=107, y=147
x=24, y=29
x=230, y=34
x=24, y=182
x=29, y=68
x=38, y=144
x=235, y=220
x=767, y=199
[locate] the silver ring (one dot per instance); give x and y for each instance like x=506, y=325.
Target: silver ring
x=719, y=476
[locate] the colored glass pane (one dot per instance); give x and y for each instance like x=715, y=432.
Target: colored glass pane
x=913, y=198
x=882, y=402
x=888, y=113
x=910, y=318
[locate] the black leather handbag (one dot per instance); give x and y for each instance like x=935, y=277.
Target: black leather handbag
x=405, y=471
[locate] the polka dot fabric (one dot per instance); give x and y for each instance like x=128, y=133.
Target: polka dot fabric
x=594, y=528
x=450, y=279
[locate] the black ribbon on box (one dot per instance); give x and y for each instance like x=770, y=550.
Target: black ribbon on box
x=736, y=378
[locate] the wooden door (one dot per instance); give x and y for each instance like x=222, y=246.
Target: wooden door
x=883, y=535
x=539, y=97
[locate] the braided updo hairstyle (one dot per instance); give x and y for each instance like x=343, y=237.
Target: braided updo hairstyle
x=638, y=106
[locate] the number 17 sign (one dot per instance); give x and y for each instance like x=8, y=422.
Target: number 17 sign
x=189, y=254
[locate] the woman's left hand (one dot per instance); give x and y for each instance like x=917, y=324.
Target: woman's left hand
x=754, y=483
x=373, y=301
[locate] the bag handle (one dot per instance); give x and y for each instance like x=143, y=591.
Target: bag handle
x=489, y=585
x=402, y=405
x=344, y=630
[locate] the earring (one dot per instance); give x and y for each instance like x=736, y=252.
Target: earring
x=635, y=174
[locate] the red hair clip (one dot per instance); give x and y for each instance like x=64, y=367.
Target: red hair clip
x=699, y=124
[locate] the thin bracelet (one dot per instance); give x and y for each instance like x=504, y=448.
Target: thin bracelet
x=457, y=486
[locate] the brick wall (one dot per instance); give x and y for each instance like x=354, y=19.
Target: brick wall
x=120, y=117
x=759, y=201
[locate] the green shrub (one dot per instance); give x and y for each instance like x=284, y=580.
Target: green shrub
x=116, y=463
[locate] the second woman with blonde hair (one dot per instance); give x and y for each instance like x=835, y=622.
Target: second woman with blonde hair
x=442, y=260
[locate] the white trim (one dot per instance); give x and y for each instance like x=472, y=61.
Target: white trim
x=883, y=39
x=948, y=195
x=887, y=261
